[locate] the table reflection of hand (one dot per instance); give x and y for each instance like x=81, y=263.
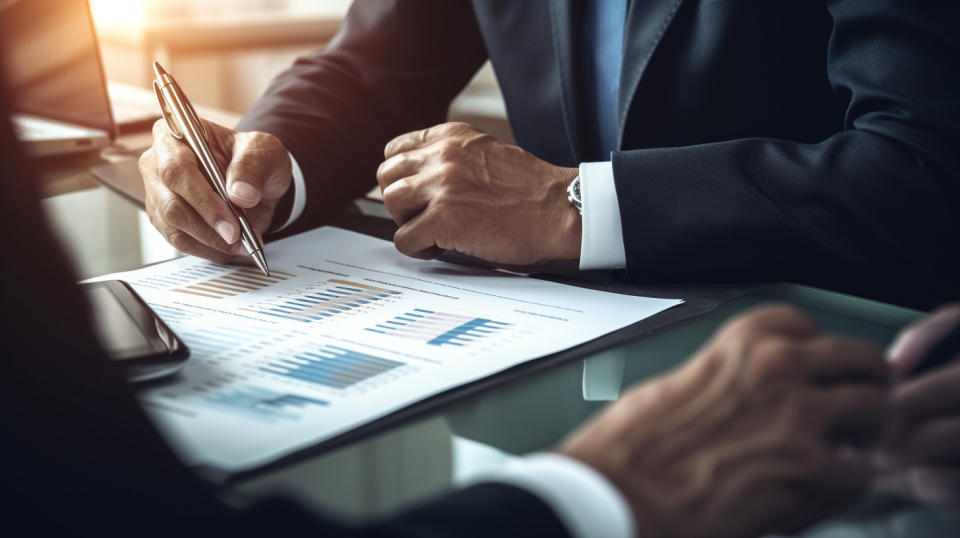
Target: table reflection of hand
x=760, y=432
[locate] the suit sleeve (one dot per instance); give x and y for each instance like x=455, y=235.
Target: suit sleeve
x=881, y=192
x=393, y=67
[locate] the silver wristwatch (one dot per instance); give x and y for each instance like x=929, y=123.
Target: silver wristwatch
x=574, y=196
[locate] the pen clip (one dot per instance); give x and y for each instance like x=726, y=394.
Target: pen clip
x=167, y=114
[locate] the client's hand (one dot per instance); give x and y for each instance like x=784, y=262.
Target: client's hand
x=454, y=187
x=189, y=213
x=756, y=434
x=926, y=440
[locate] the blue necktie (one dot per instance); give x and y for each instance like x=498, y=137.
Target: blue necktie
x=601, y=53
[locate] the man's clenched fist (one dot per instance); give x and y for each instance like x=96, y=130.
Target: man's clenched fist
x=454, y=187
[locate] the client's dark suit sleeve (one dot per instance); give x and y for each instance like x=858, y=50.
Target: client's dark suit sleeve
x=80, y=458
x=881, y=193
x=394, y=67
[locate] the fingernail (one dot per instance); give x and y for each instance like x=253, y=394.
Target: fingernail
x=225, y=229
x=896, y=349
x=244, y=191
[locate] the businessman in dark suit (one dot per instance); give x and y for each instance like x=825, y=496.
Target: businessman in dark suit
x=811, y=141
x=758, y=424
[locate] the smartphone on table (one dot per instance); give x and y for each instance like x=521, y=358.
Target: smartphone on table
x=133, y=335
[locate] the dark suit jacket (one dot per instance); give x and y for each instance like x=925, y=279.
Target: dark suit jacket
x=79, y=458
x=793, y=140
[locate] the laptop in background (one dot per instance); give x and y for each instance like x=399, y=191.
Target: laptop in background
x=52, y=62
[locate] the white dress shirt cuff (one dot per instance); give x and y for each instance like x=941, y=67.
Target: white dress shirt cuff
x=584, y=500
x=299, y=194
x=601, y=246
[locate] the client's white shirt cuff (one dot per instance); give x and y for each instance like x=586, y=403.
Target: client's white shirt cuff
x=299, y=194
x=601, y=246
x=583, y=499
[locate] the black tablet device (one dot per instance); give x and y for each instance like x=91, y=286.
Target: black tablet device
x=133, y=335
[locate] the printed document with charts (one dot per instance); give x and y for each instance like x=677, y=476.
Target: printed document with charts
x=344, y=331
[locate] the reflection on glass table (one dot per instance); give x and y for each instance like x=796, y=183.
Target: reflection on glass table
x=473, y=434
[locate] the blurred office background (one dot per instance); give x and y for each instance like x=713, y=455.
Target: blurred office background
x=226, y=51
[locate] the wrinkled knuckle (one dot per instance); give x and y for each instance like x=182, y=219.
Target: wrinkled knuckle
x=396, y=190
x=447, y=174
x=381, y=170
x=447, y=151
x=151, y=214
x=773, y=359
x=145, y=162
x=173, y=211
x=173, y=171
x=211, y=206
x=445, y=128
x=401, y=240
x=179, y=239
x=391, y=200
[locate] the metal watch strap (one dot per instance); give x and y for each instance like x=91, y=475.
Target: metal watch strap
x=574, y=195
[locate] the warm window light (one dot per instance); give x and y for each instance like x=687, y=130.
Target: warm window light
x=117, y=12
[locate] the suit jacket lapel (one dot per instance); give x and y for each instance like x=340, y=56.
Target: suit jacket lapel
x=647, y=21
x=565, y=31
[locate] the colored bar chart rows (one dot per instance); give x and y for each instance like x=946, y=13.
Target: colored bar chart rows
x=439, y=328
x=209, y=342
x=233, y=283
x=335, y=297
x=331, y=366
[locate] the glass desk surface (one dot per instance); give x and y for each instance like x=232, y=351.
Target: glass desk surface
x=467, y=436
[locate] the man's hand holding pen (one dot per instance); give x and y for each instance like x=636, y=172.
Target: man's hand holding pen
x=189, y=214
x=185, y=127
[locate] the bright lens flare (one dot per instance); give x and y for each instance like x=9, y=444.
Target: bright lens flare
x=117, y=12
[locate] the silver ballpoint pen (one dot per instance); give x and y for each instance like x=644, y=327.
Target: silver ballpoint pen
x=185, y=125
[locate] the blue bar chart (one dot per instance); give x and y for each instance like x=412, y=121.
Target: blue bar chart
x=328, y=300
x=439, y=328
x=209, y=342
x=331, y=366
x=171, y=315
x=261, y=403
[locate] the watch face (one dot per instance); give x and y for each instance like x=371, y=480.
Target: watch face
x=573, y=194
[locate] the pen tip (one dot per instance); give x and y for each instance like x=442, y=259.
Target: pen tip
x=261, y=262
x=158, y=69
